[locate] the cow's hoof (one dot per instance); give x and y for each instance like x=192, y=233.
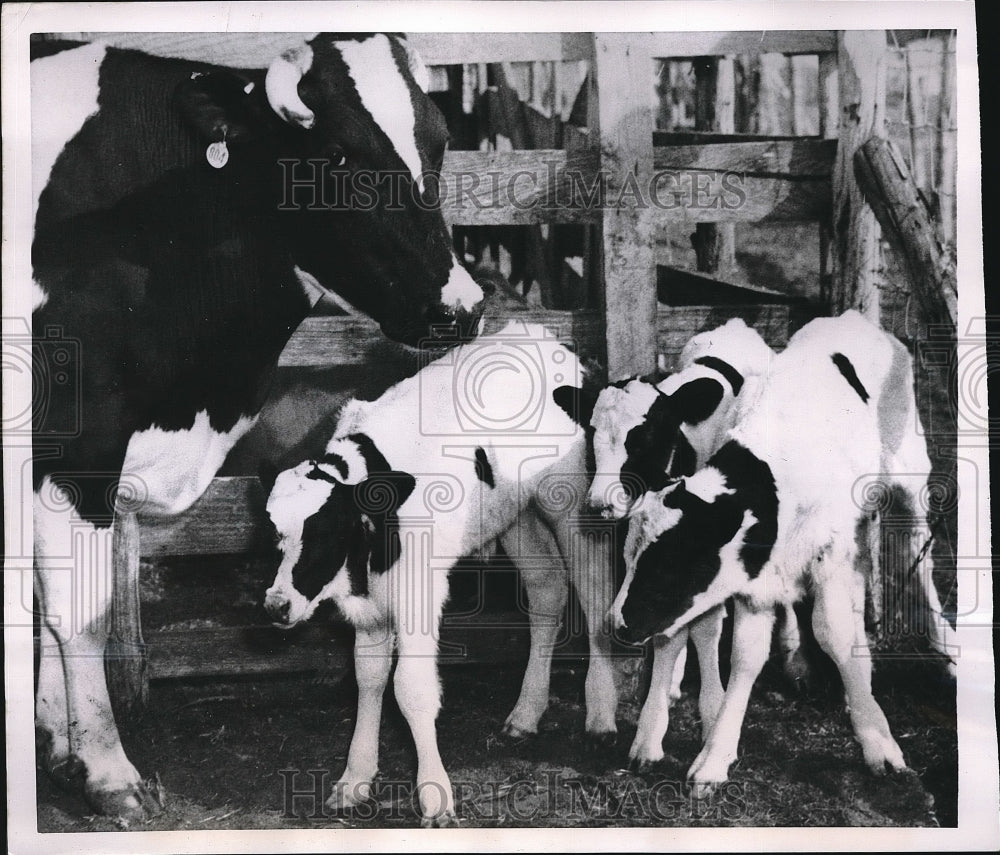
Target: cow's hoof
x=446, y=819
x=512, y=731
x=134, y=803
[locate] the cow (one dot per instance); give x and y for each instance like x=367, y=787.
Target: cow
x=180, y=211
x=476, y=446
x=645, y=435
x=776, y=513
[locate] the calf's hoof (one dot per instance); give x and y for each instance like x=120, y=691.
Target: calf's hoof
x=706, y=775
x=512, y=731
x=882, y=755
x=347, y=795
x=445, y=819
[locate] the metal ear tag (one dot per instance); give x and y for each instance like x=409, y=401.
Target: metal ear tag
x=217, y=154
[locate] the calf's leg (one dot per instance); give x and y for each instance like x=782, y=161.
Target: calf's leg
x=533, y=548
x=835, y=627
x=751, y=645
x=647, y=747
x=372, y=662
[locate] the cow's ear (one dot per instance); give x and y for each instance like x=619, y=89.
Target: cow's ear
x=267, y=474
x=222, y=105
x=578, y=403
x=382, y=493
x=696, y=401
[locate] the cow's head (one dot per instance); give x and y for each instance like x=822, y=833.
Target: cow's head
x=355, y=146
x=335, y=524
x=695, y=543
x=639, y=444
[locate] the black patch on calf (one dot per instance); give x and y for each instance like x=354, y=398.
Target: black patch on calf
x=684, y=560
x=379, y=497
x=484, y=472
x=578, y=403
x=733, y=376
x=845, y=367
x=754, y=483
x=681, y=563
x=697, y=400
x=327, y=536
x=337, y=462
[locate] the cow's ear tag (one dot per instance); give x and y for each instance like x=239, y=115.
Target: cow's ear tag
x=217, y=154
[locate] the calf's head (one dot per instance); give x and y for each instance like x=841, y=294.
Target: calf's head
x=335, y=523
x=695, y=543
x=639, y=441
x=350, y=147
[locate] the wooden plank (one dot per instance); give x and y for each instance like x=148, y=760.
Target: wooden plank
x=715, y=110
x=456, y=48
x=688, y=184
x=857, y=256
x=793, y=159
x=828, y=96
x=125, y=659
x=256, y=50
x=226, y=519
x=625, y=124
x=676, y=45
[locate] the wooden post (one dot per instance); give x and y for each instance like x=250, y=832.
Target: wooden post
x=125, y=654
x=895, y=200
x=829, y=125
x=947, y=166
x=857, y=259
x=623, y=71
x=715, y=110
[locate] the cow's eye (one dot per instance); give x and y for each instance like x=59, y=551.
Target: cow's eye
x=338, y=159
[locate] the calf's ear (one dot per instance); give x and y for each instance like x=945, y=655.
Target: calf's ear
x=696, y=401
x=578, y=403
x=222, y=105
x=267, y=474
x=382, y=493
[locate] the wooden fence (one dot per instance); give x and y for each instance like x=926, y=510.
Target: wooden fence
x=783, y=179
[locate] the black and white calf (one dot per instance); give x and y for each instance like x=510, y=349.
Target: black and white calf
x=472, y=448
x=170, y=234
x=775, y=514
x=647, y=435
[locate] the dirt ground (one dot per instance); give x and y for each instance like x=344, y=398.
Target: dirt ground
x=230, y=753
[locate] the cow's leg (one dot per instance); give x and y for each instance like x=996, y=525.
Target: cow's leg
x=793, y=661
x=705, y=633
x=647, y=747
x=417, y=616
x=372, y=663
x=73, y=711
x=836, y=632
x=533, y=548
x=751, y=645
x=588, y=555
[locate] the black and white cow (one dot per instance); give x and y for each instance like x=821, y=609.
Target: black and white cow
x=176, y=205
x=776, y=513
x=476, y=446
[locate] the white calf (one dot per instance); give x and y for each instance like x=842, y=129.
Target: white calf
x=773, y=515
x=474, y=447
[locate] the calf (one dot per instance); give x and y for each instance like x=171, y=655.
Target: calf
x=472, y=448
x=645, y=436
x=773, y=516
